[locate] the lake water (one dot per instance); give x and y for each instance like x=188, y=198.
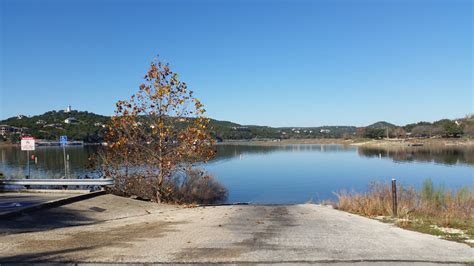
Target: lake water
x=287, y=173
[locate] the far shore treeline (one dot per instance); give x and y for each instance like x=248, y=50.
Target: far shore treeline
x=90, y=128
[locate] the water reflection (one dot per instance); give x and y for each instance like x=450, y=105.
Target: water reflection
x=49, y=161
x=285, y=173
x=229, y=151
x=446, y=155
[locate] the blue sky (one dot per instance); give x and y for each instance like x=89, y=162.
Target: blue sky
x=277, y=63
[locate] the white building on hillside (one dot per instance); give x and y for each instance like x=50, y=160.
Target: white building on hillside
x=71, y=120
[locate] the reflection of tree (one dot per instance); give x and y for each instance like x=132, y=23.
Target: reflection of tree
x=442, y=155
x=228, y=151
x=50, y=160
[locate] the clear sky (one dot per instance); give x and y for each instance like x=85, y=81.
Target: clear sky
x=276, y=63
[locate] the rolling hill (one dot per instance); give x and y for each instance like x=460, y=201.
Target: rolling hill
x=90, y=127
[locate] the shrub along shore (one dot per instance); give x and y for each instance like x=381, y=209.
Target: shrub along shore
x=433, y=209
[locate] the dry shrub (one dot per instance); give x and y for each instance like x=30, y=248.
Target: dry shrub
x=191, y=185
x=196, y=186
x=134, y=185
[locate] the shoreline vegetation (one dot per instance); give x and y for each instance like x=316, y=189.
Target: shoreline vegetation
x=434, y=210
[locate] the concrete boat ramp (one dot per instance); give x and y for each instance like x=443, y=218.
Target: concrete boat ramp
x=112, y=229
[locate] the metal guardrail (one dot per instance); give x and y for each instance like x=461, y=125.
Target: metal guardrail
x=58, y=182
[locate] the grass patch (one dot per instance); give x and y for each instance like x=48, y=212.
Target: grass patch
x=420, y=227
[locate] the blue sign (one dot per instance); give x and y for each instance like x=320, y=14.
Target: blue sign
x=63, y=140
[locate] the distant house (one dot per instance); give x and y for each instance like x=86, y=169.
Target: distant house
x=56, y=125
x=326, y=131
x=71, y=120
x=6, y=130
x=241, y=128
x=68, y=109
x=21, y=116
x=40, y=122
x=100, y=124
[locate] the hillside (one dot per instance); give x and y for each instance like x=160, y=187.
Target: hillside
x=382, y=124
x=90, y=127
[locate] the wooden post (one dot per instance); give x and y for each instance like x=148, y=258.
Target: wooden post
x=394, y=198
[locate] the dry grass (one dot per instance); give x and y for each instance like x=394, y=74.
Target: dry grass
x=417, y=210
x=377, y=201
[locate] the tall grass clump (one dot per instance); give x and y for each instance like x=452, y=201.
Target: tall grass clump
x=377, y=201
x=435, y=204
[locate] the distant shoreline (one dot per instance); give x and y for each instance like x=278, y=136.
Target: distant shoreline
x=416, y=143
x=287, y=142
x=384, y=143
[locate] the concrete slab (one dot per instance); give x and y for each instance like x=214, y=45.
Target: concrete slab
x=111, y=229
x=14, y=201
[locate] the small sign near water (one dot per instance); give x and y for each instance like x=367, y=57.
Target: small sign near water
x=27, y=144
x=63, y=140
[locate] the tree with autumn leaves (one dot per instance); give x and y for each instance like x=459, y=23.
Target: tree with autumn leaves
x=156, y=138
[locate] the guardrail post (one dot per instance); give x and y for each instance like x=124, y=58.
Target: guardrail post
x=394, y=198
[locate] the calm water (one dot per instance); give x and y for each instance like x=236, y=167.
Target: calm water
x=286, y=174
